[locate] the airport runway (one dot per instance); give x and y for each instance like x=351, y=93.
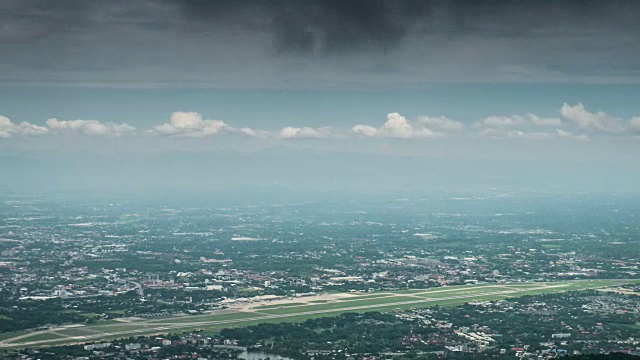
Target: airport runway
x=163, y=326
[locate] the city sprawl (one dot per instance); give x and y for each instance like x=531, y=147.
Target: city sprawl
x=507, y=274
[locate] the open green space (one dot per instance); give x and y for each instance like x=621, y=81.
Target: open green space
x=441, y=293
x=371, y=296
x=13, y=334
x=204, y=317
x=114, y=328
x=338, y=304
x=79, y=331
x=45, y=336
x=444, y=288
x=279, y=305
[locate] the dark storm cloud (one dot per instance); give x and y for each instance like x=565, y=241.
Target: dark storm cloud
x=312, y=26
x=327, y=25
x=31, y=19
x=295, y=41
x=351, y=25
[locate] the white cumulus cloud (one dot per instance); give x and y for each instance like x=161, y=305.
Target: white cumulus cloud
x=365, y=130
x=496, y=121
x=597, y=122
x=525, y=126
x=396, y=126
x=9, y=128
x=256, y=133
x=441, y=123
x=89, y=127
x=502, y=133
x=569, y=135
x=542, y=121
x=513, y=121
x=291, y=132
x=191, y=124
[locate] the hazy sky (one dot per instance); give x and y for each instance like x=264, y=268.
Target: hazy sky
x=313, y=95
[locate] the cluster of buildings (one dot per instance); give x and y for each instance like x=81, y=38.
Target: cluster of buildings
x=543, y=326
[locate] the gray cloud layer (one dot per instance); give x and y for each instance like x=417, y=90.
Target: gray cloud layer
x=319, y=42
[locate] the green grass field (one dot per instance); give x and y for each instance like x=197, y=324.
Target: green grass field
x=414, y=291
x=296, y=312
x=374, y=295
x=279, y=306
x=337, y=305
x=9, y=335
x=203, y=317
x=466, y=290
x=45, y=336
